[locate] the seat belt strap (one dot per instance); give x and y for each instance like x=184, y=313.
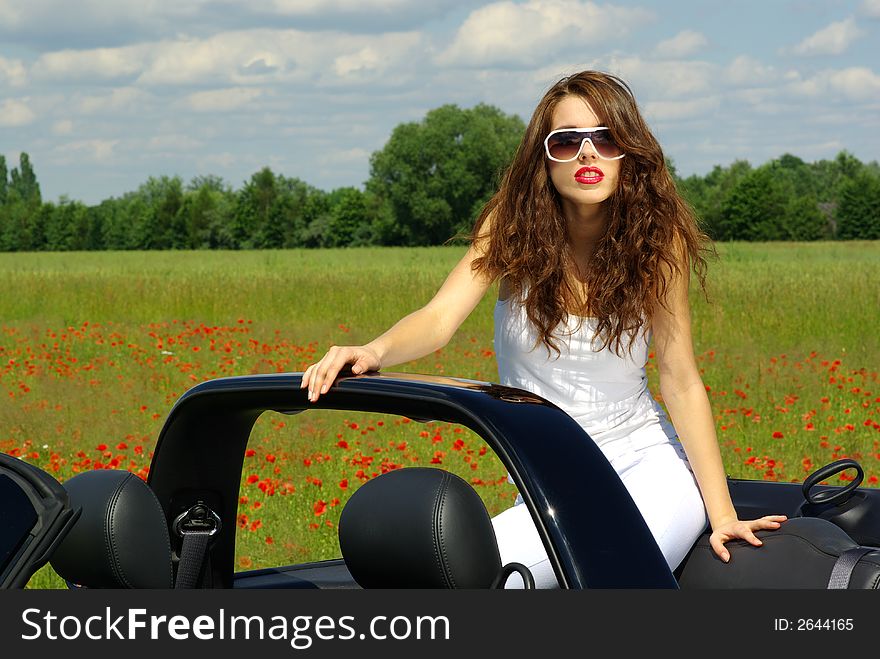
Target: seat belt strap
x=192, y=557
x=196, y=526
x=844, y=566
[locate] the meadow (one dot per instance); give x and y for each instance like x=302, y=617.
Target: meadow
x=96, y=347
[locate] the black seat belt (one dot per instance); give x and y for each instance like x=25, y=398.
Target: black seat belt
x=196, y=526
x=844, y=566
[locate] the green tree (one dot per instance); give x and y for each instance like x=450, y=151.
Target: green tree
x=804, y=220
x=15, y=218
x=155, y=214
x=116, y=229
x=66, y=225
x=858, y=213
x=437, y=173
x=20, y=205
x=708, y=194
x=169, y=216
x=829, y=175
x=4, y=180
x=754, y=208
x=208, y=211
x=197, y=209
x=253, y=224
x=343, y=217
x=24, y=182
x=287, y=216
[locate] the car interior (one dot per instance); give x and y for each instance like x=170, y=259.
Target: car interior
x=411, y=528
x=416, y=527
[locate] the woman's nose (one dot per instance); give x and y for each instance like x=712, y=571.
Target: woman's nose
x=587, y=152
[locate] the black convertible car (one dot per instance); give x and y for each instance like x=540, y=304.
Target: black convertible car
x=413, y=527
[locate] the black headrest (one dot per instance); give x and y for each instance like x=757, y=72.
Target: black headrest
x=418, y=528
x=801, y=553
x=121, y=538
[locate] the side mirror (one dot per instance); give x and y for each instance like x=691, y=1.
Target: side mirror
x=35, y=515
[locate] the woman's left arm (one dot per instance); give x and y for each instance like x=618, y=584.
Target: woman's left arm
x=685, y=397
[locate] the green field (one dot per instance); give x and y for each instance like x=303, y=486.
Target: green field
x=95, y=348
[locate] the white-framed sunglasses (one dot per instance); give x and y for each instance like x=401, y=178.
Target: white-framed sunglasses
x=566, y=144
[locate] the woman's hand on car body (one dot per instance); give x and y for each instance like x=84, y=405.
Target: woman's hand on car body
x=418, y=334
x=319, y=376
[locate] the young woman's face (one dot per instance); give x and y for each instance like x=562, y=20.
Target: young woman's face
x=576, y=184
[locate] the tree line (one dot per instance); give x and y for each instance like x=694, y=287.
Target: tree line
x=426, y=185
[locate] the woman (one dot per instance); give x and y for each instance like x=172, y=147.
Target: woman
x=593, y=248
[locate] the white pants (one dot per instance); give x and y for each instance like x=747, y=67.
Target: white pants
x=663, y=487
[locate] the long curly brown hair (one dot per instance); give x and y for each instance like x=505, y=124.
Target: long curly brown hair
x=650, y=227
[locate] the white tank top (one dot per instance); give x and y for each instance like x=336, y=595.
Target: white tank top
x=606, y=394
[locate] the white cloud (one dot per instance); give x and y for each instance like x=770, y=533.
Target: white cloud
x=364, y=60
x=831, y=40
x=745, y=70
x=663, y=78
x=120, y=100
x=97, y=22
x=224, y=160
x=762, y=100
x=11, y=12
x=12, y=71
x=243, y=58
x=508, y=34
x=191, y=61
x=62, y=127
x=870, y=8
x=345, y=156
x=856, y=83
x=309, y=7
x=683, y=44
x=16, y=112
x=172, y=142
x=95, y=150
x=677, y=110
x=99, y=64
x=223, y=100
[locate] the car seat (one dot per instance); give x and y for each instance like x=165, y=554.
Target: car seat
x=121, y=538
x=804, y=552
x=421, y=528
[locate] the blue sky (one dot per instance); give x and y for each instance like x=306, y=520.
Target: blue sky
x=103, y=94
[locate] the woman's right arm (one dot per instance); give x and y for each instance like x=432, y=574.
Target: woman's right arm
x=416, y=335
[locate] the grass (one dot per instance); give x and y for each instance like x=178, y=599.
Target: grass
x=96, y=347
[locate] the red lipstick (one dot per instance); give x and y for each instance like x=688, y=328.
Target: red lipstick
x=589, y=175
